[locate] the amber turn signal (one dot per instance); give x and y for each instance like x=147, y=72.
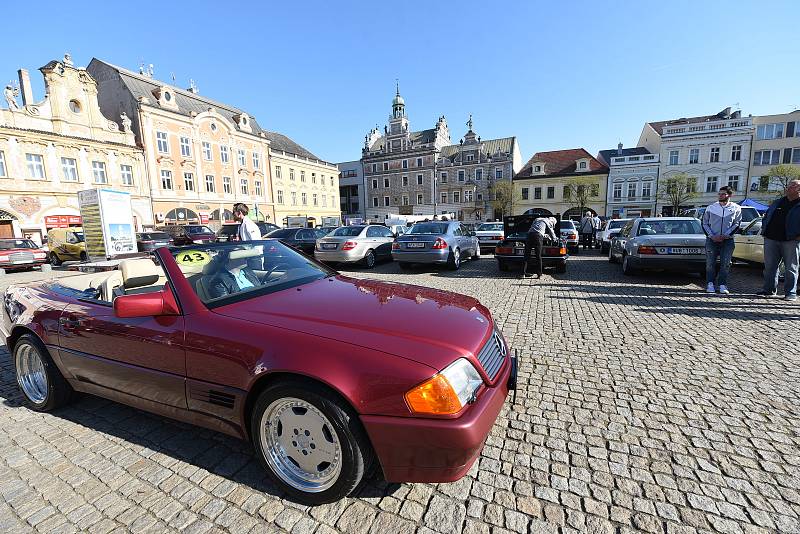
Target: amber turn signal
x=434, y=396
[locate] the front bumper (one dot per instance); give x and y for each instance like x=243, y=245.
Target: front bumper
x=27, y=265
x=421, y=256
x=342, y=256
x=438, y=450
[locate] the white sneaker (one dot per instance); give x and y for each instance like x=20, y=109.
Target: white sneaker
x=710, y=288
x=723, y=290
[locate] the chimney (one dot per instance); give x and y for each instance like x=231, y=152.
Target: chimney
x=25, y=87
x=619, y=149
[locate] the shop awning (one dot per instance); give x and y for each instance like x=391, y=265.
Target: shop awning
x=754, y=204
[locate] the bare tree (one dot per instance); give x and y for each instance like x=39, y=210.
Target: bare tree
x=580, y=190
x=502, y=197
x=677, y=190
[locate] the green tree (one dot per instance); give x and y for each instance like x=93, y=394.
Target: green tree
x=677, y=190
x=502, y=197
x=779, y=176
x=580, y=190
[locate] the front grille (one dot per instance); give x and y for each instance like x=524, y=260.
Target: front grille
x=21, y=256
x=492, y=355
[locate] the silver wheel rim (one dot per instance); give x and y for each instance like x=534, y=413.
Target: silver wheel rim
x=300, y=445
x=31, y=376
x=456, y=257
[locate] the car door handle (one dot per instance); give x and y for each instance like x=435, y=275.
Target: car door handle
x=70, y=322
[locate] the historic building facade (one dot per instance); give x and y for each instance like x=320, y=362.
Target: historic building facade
x=351, y=189
x=423, y=173
x=201, y=156
x=776, y=142
x=51, y=149
x=632, y=181
x=548, y=179
x=303, y=184
x=714, y=149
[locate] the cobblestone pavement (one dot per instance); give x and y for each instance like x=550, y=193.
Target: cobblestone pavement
x=644, y=406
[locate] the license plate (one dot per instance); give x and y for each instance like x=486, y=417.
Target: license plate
x=519, y=251
x=415, y=245
x=673, y=250
x=485, y=238
x=329, y=246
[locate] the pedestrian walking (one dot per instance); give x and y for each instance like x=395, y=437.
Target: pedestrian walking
x=781, y=231
x=598, y=224
x=587, y=230
x=541, y=227
x=720, y=221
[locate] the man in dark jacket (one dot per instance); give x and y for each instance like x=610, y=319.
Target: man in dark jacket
x=234, y=276
x=781, y=231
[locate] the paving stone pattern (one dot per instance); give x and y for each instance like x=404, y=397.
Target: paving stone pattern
x=644, y=405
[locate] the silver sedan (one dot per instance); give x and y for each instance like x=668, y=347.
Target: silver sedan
x=363, y=243
x=442, y=242
x=674, y=243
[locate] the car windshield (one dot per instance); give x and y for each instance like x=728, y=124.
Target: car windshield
x=749, y=214
x=494, y=227
x=219, y=273
x=566, y=225
x=666, y=227
x=613, y=225
x=78, y=236
x=282, y=232
x=9, y=244
x=198, y=230
x=348, y=231
x=428, y=228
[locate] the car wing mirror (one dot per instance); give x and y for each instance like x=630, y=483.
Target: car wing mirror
x=155, y=304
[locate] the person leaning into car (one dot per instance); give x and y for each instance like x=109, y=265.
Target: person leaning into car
x=781, y=231
x=720, y=221
x=248, y=230
x=535, y=241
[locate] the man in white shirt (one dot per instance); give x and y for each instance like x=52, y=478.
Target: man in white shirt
x=248, y=230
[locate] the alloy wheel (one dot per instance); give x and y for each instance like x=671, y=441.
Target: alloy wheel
x=31, y=375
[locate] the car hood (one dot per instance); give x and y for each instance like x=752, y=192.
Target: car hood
x=429, y=326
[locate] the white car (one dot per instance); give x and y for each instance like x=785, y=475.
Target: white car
x=489, y=235
x=610, y=228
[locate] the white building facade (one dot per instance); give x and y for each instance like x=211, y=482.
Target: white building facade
x=632, y=182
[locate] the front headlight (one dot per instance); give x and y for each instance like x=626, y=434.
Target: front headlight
x=447, y=392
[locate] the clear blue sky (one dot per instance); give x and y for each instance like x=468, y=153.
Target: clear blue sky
x=557, y=75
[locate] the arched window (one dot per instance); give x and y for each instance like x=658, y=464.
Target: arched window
x=181, y=215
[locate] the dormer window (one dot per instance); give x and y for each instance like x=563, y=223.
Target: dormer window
x=166, y=97
x=582, y=165
x=537, y=168
x=74, y=106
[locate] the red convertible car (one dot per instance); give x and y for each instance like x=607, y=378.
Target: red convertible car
x=327, y=375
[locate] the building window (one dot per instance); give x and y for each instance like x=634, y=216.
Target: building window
x=456, y=196
x=375, y=169
x=444, y=198
x=537, y=193
x=69, y=167
x=35, y=166
x=291, y=174
x=711, y=184
x=280, y=196
x=385, y=165
x=480, y=196
x=242, y=158
x=405, y=163
x=243, y=186
x=419, y=179
x=795, y=156
x=186, y=147
x=537, y=168
x=419, y=162
x=582, y=165
x=333, y=200
x=294, y=198
x=419, y=199
x=405, y=200
x=277, y=172
x=331, y=180
x=524, y=193
x=714, y=156
x=733, y=182
x=385, y=182
x=325, y=203
x=470, y=157
x=314, y=178
x=767, y=157
x=303, y=176
x=632, y=190
x=736, y=153
x=647, y=190
x=207, y=151
x=405, y=181
x=256, y=160
x=498, y=173
x=257, y=186
x=468, y=195
x=460, y=176
x=162, y=143
x=551, y=192
x=478, y=175
x=673, y=157
x=126, y=171
x=694, y=155
x=166, y=179
x=375, y=183
x=314, y=199
x=566, y=193
x=188, y=181
x=617, y=194
x=227, y=187
x=99, y=172
x=3, y=173
x=443, y=177
x=374, y=202
x=385, y=201
x=304, y=198
x=769, y=131
x=210, y=185
x=223, y=154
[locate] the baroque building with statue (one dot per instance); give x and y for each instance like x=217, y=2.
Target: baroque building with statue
x=423, y=173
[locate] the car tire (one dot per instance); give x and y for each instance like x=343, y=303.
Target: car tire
x=627, y=268
x=54, y=259
x=477, y=254
x=604, y=248
x=369, y=259
x=454, y=260
x=561, y=268
x=328, y=429
x=502, y=265
x=404, y=265
x=84, y=256
x=42, y=385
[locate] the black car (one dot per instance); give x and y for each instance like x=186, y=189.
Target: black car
x=149, y=241
x=511, y=250
x=227, y=231
x=189, y=234
x=302, y=239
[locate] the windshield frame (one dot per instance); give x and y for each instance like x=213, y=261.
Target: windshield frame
x=345, y=229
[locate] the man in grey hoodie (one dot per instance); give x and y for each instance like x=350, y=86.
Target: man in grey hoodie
x=720, y=221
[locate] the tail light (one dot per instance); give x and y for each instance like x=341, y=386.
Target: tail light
x=395, y=246
x=349, y=245
x=562, y=250
x=504, y=250
x=3, y=258
x=439, y=244
x=647, y=250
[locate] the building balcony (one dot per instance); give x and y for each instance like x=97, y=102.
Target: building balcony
x=678, y=130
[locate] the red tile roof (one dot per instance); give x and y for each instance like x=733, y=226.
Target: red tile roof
x=560, y=163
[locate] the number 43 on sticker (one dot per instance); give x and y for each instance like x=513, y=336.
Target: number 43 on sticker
x=192, y=257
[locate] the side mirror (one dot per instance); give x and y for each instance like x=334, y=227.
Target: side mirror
x=155, y=304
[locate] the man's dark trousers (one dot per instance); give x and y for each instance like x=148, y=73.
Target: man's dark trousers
x=534, y=241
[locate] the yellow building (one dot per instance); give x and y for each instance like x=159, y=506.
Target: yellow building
x=549, y=180
x=776, y=142
x=50, y=150
x=202, y=156
x=303, y=185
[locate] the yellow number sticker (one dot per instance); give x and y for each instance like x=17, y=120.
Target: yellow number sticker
x=192, y=257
